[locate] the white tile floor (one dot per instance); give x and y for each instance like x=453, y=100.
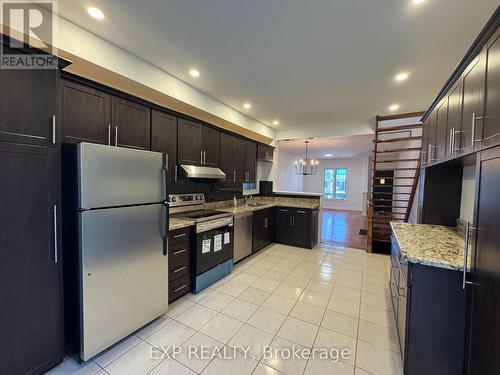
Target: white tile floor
x=283, y=297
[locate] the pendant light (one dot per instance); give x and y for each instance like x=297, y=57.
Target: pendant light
x=306, y=166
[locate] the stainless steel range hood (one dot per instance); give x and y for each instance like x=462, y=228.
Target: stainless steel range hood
x=194, y=171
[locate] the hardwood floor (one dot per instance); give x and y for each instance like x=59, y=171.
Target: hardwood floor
x=342, y=228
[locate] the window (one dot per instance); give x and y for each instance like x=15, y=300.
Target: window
x=334, y=180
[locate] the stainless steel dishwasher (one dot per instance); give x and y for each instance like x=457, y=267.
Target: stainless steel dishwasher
x=242, y=235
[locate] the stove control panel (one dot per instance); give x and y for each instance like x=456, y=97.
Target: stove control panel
x=185, y=199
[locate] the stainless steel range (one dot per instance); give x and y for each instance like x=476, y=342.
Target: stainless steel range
x=212, y=252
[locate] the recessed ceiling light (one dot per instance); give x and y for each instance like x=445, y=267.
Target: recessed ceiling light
x=394, y=107
x=95, y=12
x=401, y=76
x=247, y=105
x=417, y=2
x=194, y=73
x=276, y=122
x=328, y=155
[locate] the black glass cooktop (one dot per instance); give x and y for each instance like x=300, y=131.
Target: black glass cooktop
x=199, y=214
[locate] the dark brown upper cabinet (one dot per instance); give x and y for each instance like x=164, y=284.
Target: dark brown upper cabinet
x=210, y=146
x=33, y=122
x=454, y=117
x=131, y=124
x=239, y=158
x=189, y=143
x=86, y=114
x=251, y=162
x=164, y=138
x=226, y=161
x=429, y=139
x=198, y=144
x=472, y=104
x=491, y=133
x=233, y=157
x=425, y=141
x=441, y=136
x=91, y=115
x=265, y=153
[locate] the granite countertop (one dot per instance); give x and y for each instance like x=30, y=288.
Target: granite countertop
x=431, y=245
x=175, y=223
x=240, y=209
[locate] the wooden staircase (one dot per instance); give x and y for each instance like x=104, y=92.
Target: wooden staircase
x=394, y=175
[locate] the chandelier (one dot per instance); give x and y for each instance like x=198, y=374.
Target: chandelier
x=306, y=166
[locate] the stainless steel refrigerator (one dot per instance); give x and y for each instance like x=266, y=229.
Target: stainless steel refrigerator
x=119, y=250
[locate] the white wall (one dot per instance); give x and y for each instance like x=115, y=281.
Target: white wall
x=468, y=193
x=284, y=175
x=357, y=176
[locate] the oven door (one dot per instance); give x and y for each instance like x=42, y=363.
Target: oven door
x=213, y=247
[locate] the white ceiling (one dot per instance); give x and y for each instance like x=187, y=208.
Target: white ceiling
x=316, y=63
x=339, y=147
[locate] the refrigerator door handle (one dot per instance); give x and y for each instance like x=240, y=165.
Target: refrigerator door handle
x=164, y=229
x=164, y=172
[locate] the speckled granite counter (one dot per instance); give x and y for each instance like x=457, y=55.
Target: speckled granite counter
x=431, y=245
x=243, y=209
x=175, y=223
x=267, y=202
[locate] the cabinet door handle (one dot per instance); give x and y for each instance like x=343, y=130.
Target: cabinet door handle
x=282, y=210
x=164, y=172
x=474, y=119
x=53, y=129
x=180, y=288
x=180, y=252
x=265, y=222
x=109, y=134
x=293, y=221
x=450, y=142
x=175, y=171
x=55, y=234
x=290, y=224
x=180, y=269
x=179, y=235
x=201, y=157
x=234, y=176
x=301, y=212
x=466, y=254
x=116, y=135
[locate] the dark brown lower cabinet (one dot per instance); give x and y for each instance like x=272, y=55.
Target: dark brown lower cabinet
x=263, y=228
x=297, y=226
x=179, y=263
x=31, y=317
x=430, y=315
x=484, y=302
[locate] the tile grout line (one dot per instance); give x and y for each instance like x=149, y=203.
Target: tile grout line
x=317, y=264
